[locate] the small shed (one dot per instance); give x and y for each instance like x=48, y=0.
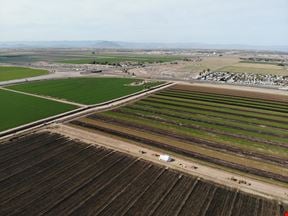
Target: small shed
x=165, y=158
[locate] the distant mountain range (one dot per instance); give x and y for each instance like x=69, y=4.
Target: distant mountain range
x=131, y=45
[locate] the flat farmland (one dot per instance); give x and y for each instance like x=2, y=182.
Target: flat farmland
x=214, y=63
x=18, y=109
x=49, y=174
x=239, y=131
x=80, y=56
x=10, y=73
x=255, y=68
x=86, y=90
x=113, y=59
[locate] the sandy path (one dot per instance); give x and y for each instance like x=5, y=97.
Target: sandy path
x=213, y=174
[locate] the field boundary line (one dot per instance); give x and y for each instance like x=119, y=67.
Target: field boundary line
x=131, y=204
x=168, y=191
x=44, y=97
x=190, y=191
x=119, y=193
x=133, y=162
x=233, y=203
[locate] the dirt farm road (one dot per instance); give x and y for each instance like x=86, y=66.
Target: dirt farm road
x=219, y=176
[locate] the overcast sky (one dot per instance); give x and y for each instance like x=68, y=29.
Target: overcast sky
x=255, y=22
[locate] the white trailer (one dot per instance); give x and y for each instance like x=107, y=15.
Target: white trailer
x=165, y=158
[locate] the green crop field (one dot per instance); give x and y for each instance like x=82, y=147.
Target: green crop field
x=18, y=109
x=10, y=73
x=85, y=90
x=116, y=59
x=80, y=56
x=233, y=131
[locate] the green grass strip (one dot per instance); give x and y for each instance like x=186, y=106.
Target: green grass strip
x=253, y=104
x=217, y=123
x=232, y=117
x=222, y=96
x=221, y=105
x=220, y=109
x=275, y=150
